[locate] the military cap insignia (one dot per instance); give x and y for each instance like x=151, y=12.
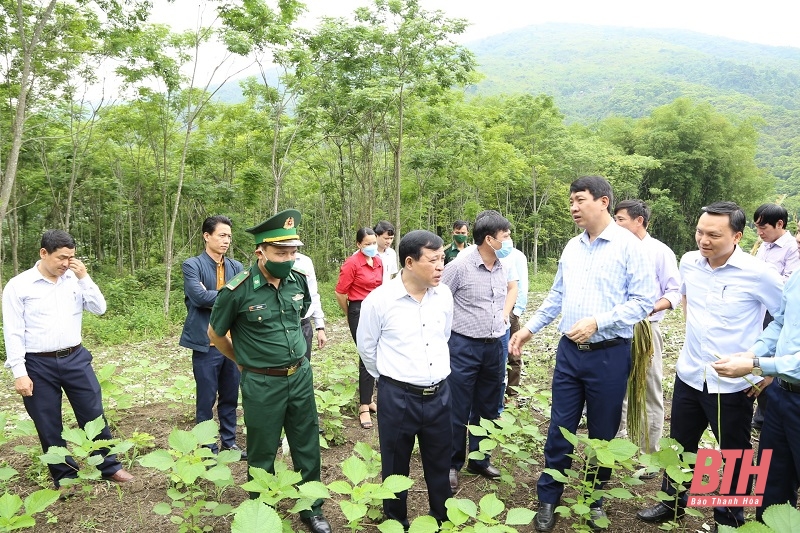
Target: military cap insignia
x=289, y=224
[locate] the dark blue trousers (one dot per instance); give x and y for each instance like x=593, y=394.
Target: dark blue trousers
x=598, y=378
x=74, y=375
x=475, y=389
x=781, y=434
x=692, y=412
x=217, y=379
x=404, y=415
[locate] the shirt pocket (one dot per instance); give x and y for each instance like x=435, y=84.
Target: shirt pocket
x=258, y=313
x=77, y=303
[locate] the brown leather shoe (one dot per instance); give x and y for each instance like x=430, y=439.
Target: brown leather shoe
x=453, y=480
x=121, y=476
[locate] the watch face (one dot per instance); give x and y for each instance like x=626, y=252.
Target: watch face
x=756, y=371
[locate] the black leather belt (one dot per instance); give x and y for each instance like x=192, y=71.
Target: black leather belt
x=288, y=371
x=791, y=387
x=487, y=340
x=416, y=389
x=592, y=346
x=58, y=353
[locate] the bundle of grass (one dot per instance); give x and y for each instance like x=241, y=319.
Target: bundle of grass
x=641, y=358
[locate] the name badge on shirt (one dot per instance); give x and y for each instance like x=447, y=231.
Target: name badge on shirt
x=257, y=307
x=297, y=297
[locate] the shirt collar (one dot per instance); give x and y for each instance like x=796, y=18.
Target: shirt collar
x=608, y=234
x=397, y=290
x=736, y=260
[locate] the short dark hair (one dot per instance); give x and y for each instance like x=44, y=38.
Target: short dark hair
x=413, y=242
x=635, y=208
x=363, y=232
x=736, y=217
x=210, y=224
x=771, y=214
x=53, y=239
x=597, y=186
x=488, y=222
x=384, y=227
x=458, y=224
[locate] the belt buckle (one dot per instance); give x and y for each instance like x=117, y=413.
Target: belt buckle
x=430, y=391
x=292, y=369
x=584, y=346
x=63, y=352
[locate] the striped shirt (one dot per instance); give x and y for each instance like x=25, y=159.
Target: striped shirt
x=610, y=279
x=42, y=316
x=479, y=295
x=781, y=254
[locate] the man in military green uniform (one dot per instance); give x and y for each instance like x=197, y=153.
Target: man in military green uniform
x=262, y=308
x=460, y=234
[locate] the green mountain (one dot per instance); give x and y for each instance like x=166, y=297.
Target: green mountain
x=594, y=72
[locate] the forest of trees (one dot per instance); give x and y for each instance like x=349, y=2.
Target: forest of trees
x=373, y=118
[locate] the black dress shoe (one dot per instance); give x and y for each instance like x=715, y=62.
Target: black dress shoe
x=545, y=517
x=487, y=471
x=659, y=513
x=453, y=480
x=317, y=524
x=596, y=514
x=236, y=448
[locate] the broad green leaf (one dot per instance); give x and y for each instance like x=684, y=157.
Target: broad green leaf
x=605, y=457
x=353, y=511
x=396, y=483
x=468, y=507
x=580, y=509
x=491, y=506
x=354, y=469
x=162, y=509
x=340, y=487
x=555, y=474
x=622, y=449
x=74, y=435
x=94, y=427
x=782, y=517
x=424, y=524
x=6, y=473
x=478, y=431
x=189, y=472
x=519, y=516
x=619, y=492
x=391, y=526
x=9, y=505
x=183, y=441
x=55, y=455
x=572, y=439
x=158, y=459
x=222, y=509
x=206, y=432
x=454, y=514
x=253, y=516
x=314, y=490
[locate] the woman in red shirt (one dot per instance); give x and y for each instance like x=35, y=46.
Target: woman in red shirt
x=361, y=273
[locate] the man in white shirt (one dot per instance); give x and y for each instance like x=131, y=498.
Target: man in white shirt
x=384, y=231
x=304, y=265
x=402, y=338
x=42, y=316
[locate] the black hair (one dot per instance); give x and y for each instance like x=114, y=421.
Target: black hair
x=597, y=187
x=458, y=224
x=488, y=223
x=363, y=232
x=736, y=217
x=771, y=214
x=53, y=239
x=635, y=208
x=210, y=224
x=384, y=227
x=413, y=242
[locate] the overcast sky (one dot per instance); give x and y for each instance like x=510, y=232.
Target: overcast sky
x=772, y=22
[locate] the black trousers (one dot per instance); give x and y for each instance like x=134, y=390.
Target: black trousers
x=692, y=412
x=74, y=375
x=404, y=415
x=366, y=383
x=217, y=380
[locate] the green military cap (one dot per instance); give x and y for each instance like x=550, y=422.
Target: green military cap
x=279, y=229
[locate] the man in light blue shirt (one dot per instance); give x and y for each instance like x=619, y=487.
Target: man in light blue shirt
x=777, y=353
x=723, y=290
x=515, y=361
x=604, y=285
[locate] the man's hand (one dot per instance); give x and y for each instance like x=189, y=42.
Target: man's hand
x=518, y=339
x=582, y=330
x=77, y=266
x=734, y=365
x=759, y=390
x=24, y=386
x=322, y=339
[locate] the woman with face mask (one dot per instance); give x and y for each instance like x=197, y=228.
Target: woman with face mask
x=360, y=274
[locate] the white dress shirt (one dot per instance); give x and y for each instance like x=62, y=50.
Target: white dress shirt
x=723, y=314
x=404, y=339
x=303, y=263
x=389, y=260
x=42, y=316
x=668, y=278
x=781, y=254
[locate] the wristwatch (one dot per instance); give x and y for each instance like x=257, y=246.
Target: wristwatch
x=756, y=367
x=321, y=329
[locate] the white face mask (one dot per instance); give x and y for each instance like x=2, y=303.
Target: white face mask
x=370, y=250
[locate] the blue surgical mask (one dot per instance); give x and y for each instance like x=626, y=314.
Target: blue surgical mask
x=505, y=248
x=370, y=251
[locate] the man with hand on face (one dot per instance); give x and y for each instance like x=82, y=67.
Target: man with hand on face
x=216, y=376
x=604, y=286
x=402, y=338
x=723, y=291
x=42, y=316
x=262, y=308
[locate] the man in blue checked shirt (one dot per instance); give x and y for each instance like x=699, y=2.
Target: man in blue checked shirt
x=604, y=285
